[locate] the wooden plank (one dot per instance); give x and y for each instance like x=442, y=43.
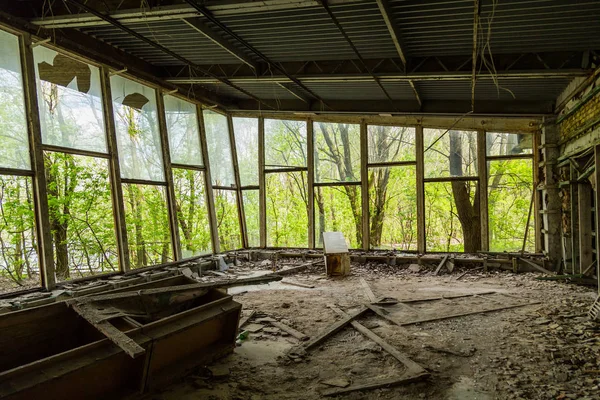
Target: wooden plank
x=333, y=329
x=534, y=265
x=423, y=320
x=127, y=344
x=295, y=333
x=441, y=264
x=584, y=209
x=293, y=270
x=482, y=171
x=245, y=319
x=310, y=164
x=412, y=367
x=299, y=284
x=382, y=314
x=450, y=264
x=368, y=292
x=384, y=383
x=452, y=296
x=420, y=170
x=210, y=197
x=364, y=189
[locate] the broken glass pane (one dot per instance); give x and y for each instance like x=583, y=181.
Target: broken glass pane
x=391, y=143
x=508, y=144
x=287, y=209
x=228, y=222
x=338, y=209
x=450, y=153
x=182, y=130
x=70, y=101
x=251, y=211
x=337, y=152
x=219, y=149
x=136, y=123
x=285, y=143
x=14, y=136
x=246, y=143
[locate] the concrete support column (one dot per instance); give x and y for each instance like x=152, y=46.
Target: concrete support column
x=549, y=193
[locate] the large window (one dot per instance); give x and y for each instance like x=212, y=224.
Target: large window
x=18, y=243
x=286, y=183
x=142, y=172
x=188, y=178
x=510, y=185
x=225, y=194
x=246, y=144
x=392, y=187
x=78, y=185
x=337, y=158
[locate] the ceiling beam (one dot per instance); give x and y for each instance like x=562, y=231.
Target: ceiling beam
x=394, y=31
x=207, y=14
x=387, y=77
x=176, y=56
x=351, y=44
x=475, y=55
x=384, y=9
x=214, y=37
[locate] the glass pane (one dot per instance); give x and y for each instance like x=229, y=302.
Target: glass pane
x=219, y=149
x=138, y=138
x=246, y=143
x=192, y=212
x=510, y=183
x=337, y=152
x=287, y=209
x=393, y=208
x=14, y=151
x=450, y=153
x=228, y=222
x=70, y=101
x=81, y=215
x=251, y=212
x=182, y=130
x=147, y=223
x=391, y=143
x=285, y=143
x=19, y=260
x=508, y=144
x=338, y=209
x=447, y=204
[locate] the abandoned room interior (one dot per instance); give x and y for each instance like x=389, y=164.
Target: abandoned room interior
x=299, y=199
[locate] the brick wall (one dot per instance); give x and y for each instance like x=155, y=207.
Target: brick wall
x=581, y=115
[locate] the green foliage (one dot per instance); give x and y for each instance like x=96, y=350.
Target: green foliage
x=334, y=213
x=147, y=221
x=81, y=218
x=287, y=209
x=192, y=212
x=228, y=222
x=251, y=211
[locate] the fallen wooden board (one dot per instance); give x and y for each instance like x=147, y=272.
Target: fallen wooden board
x=127, y=344
x=401, y=380
x=299, y=284
x=452, y=296
x=297, y=334
x=441, y=264
x=382, y=314
x=245, y=319
x=412, y=367
x=420, y=321
x=293, y=270
x=368, y=292
x=333, y=329
x=534, y=265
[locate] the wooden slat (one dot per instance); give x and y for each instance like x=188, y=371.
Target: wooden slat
x=333, y=329
x=368, y=292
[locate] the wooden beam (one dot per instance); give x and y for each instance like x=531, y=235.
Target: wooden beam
x=262, y=190
x=450, y=316
x=412, y=367
x=364, y=178
x=310, y=156
x=420, y=171
x=368, y=292
x=482, y=186
x=384, y=383
x=333, y=329
x=475, y=51
x=217, y=39
x=42, y=213
x=210, y=196
x=585, y=224
x=441, y=264
x=166, y=155
x=295, y=333
x=238, y=184
x=576, y=267
x=535, y=266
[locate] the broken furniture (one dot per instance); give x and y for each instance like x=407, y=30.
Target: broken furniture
x=67, y=350
x=337, y=257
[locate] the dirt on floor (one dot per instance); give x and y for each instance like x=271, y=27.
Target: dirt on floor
x=546, y=350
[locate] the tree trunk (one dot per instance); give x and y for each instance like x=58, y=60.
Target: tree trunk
x=468, y=214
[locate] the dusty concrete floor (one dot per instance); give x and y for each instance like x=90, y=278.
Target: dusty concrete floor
x=544, y=351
